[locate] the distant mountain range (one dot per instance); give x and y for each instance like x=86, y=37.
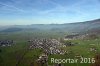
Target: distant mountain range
x=79, y=27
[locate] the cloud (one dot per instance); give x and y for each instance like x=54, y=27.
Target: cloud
x=9, y=7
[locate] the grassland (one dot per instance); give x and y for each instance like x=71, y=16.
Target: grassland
x=21, y=55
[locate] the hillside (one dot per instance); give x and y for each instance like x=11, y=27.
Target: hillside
x=79, y=27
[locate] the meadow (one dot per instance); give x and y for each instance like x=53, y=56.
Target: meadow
x=19, y=55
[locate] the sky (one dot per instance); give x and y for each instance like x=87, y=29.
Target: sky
x=25, y=12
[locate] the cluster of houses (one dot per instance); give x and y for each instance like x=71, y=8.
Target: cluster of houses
x=71, y=37
x=81, y=36
x=43, y=59
x=93, y=48
x=50, y=46
x=4, y=43
x=69, y=43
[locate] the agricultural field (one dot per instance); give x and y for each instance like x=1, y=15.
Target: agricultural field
x=20, y=53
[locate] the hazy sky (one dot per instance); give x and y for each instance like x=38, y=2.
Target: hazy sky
x=16, y=12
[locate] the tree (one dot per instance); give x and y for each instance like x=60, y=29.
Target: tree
x=0, y=50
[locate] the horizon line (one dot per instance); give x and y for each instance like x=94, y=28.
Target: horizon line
x=53, y=23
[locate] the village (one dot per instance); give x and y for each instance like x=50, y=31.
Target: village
x=53, y=46
x=4, y=43
x=50, y=46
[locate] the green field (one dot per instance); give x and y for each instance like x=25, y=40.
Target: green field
x=19, y=54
